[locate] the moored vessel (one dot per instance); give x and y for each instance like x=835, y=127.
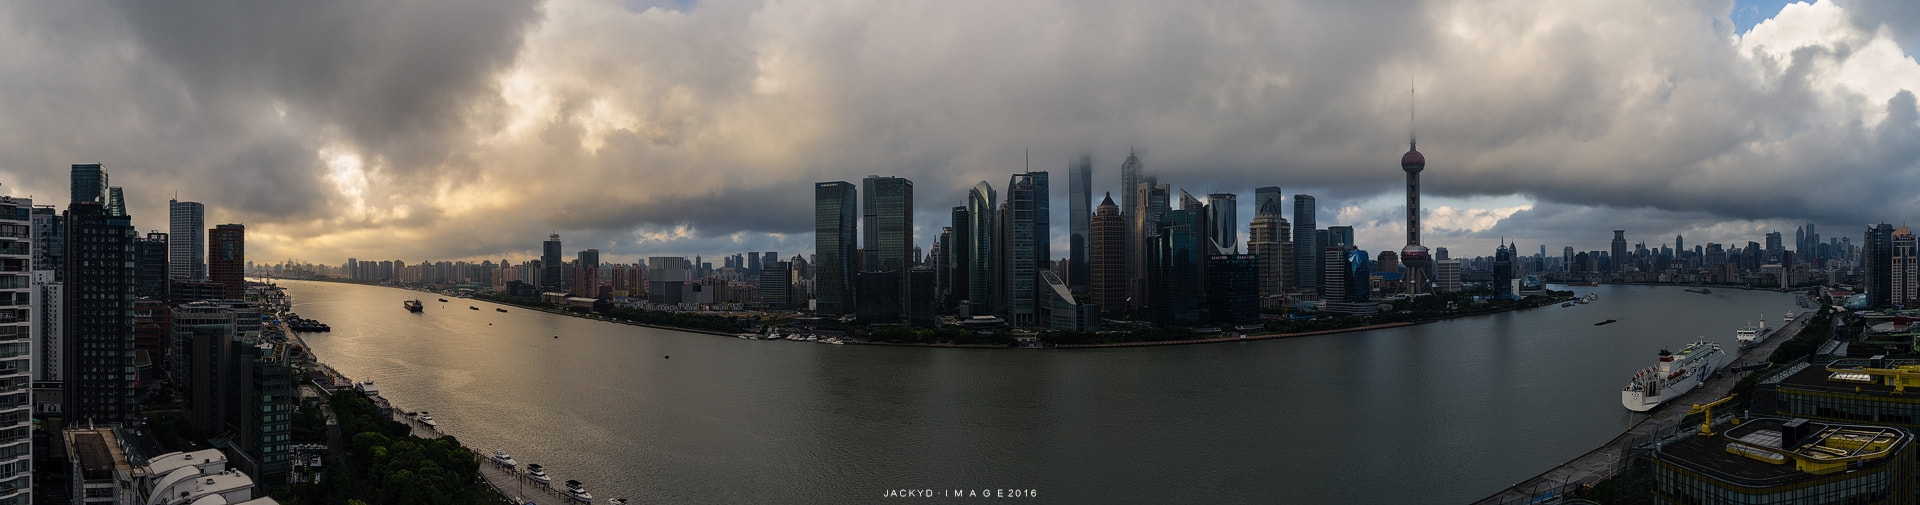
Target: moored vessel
x=1674, y=375
x=538, y=473
x=1752, y=334
x=578, y=493
x=504, y=459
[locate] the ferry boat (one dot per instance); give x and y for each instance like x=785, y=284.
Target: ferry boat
x=412, y=305
x=503, y=459
x=538, y=474
x=1751, y=334
x=578, y=493
x=1674, y=375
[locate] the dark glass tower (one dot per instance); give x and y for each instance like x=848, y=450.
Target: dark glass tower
x=89, y=183
x=1079, y=221
x=552, y=276
x=981, y=202
x=227, y=258
x=1306, y=249
x=835, y=208
x=99, y=315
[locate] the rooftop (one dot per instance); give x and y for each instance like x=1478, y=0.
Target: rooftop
x=1856, y=376
x=1752, y=453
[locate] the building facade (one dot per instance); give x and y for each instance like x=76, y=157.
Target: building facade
x=1306, y=246
x=1079, y=222
x=16, y=350
x=834, y=233
x=99, y=315
x=227, y=258
x=1107, y=247
x=186, y=240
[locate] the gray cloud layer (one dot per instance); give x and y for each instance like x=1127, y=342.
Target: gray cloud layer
x=440, y=129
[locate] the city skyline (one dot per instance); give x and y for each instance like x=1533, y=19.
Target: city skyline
x=439, y=141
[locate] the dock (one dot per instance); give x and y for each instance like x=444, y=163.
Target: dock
x=1612, y=458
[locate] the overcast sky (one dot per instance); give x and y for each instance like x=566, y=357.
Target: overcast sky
x=470, y=129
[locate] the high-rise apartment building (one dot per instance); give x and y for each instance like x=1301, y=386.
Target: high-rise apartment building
x=227, y=258
x=1306, y=246
x=150, y=266
x=1903, y=269
x=1107, y=246
x=834, y=231
x=16, y=357
x=1079, y=222
x=98, y=315
x=89, y=184
x=186, y=240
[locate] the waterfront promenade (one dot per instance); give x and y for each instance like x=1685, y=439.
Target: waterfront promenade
x=1609, y=459
x=509, y=482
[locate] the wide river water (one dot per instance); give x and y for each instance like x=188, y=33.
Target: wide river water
x=1447, y=412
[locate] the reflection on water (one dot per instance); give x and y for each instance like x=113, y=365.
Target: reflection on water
x=1444, y=412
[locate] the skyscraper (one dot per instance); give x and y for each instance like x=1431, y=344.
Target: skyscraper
x=150, y=268
x=1904, y=267
x=227, y=261
x=1143, y=223
x=116, y=201
x=889, y=224
x=1174, y=258
x=89, y=183
x=1268, y=241
x=1079, y=221
x=16, y=364
x=959, y=254
x=1130, y=173
x=1877, y=254
x=1025, y=241
x=1223, y=224
x=98, y=350
x=1774, y=248
x=1619, y=251
x=552, y=270
x=1267, y=194
x=1108, y=262
x=980, y=247
x=834, y=231
x=1306, y=247
x=186, y=240
x=1418, y=262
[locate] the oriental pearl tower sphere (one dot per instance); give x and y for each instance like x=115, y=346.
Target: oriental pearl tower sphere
x=1418, y=262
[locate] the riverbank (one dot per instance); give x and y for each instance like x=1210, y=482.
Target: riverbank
x=1155, y=343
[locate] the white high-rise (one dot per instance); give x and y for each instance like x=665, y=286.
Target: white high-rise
x=186, y=240
x=16, y=356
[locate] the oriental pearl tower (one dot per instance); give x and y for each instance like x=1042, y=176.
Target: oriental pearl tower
x=1419, y=263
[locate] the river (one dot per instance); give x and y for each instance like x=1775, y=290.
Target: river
x=1447, y=412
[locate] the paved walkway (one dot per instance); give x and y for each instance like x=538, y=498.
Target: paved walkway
x=1609, y=459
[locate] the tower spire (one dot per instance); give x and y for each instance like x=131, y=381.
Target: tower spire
x=1413, y=108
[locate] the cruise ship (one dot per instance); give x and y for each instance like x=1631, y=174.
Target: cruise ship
x=1674, y=375
x=1752, y=334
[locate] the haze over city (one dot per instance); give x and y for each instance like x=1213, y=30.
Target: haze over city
x=455, y=130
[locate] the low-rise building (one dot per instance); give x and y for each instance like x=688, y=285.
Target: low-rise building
x=1777, y=460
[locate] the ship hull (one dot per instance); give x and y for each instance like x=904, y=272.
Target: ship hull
x=1653, y=393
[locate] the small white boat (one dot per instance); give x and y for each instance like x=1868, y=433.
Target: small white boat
x=502, y=458
x=617, y=501
x=427, y=420
x=578, y=493
x=535, y=472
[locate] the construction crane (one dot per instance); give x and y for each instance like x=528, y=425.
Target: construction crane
x=1706, y=423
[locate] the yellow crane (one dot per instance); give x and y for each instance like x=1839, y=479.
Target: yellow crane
x=1706, y=423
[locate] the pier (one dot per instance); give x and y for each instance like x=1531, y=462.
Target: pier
x=1612, y=458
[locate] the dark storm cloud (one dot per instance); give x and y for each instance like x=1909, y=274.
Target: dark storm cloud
x=444, y=129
